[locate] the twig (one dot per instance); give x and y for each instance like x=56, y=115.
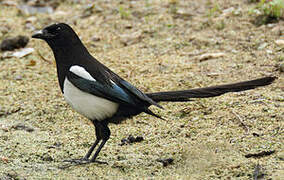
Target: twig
x=43, y=58
x=11, y=112
x=240, y=121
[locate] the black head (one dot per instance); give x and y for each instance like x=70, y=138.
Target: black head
x=63, y=41
x=56, y=32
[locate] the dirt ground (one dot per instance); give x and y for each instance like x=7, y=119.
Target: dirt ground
x=157, y=46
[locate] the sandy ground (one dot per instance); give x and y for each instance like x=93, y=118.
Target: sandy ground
x=157, y=46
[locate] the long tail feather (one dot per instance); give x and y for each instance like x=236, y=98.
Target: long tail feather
x=185, y=95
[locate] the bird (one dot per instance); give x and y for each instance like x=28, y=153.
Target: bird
x=102, y=96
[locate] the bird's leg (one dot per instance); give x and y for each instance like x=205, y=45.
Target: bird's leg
x=93, y=159
x=103, y=132
x=86, y=157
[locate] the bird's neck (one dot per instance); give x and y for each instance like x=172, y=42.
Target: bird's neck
x=67, y=56
x=61, y=74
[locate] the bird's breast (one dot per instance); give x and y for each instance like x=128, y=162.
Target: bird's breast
x=90, y=106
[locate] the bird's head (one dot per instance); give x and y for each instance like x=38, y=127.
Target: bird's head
x=57, y=31
x=62, y=39
x=58, y=35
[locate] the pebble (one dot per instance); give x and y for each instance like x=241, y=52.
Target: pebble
x=262, y=46
x=208, y=56
x=131, y=139
x=18, y=77
x=280, y=42
x=128, y=39
x=10, y=44
x=166, y=162
x=95, y=38
x=281, y=67
x=21, y=126
x=281, y=156
x=28, y=10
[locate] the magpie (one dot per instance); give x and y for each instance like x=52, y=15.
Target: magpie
x=102, y=96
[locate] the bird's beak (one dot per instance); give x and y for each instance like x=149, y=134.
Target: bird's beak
x=41, y=34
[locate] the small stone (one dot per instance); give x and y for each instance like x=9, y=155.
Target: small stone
x=183, y=14
x=31, y=63
x=281, y=156
x=18, y=77
x=208, y=56
x=31, y=19
x=128, y=39
x=128, y=26
x=4, y=128
x=10, y=44
x=30, y=26
x=55, y=145
x=271, y=25
x=95, y=38
x=11, y=175
x=21, y=126
x=131, y=139
x=173, y=1
x=23, y=52
x=4, y=159
x=281, y=67
x=280, y=42
x=237, y=12
x=4, y=29
x=9, y=3
x=47, y=157
x=28, y=10
x=255, y=134
x=60, y=13
x=166, y=162
x=228, y=11
x=18, y=54
x=262, y=46
x=277, y=30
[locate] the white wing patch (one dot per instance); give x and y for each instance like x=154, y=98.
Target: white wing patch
x=90, y=106
x=80, y=71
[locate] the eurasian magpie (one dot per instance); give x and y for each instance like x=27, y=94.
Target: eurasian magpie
x=102, y=96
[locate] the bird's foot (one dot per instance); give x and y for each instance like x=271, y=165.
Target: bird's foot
x=99, y=162
x=84, y=161
x=77, y=162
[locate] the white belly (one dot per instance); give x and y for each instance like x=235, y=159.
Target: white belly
x=90, y=106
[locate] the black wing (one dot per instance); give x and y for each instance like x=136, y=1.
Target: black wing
x=119, y=87
x=113, y=92
x=110, y=91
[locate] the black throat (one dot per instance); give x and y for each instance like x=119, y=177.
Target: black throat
x=67, y=54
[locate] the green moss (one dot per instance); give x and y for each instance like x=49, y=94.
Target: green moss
x=268, y=11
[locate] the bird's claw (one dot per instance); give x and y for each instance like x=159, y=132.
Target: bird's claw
x=77, y=161
x=82, y=161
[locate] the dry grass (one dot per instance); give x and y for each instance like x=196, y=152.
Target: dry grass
x=207, y=138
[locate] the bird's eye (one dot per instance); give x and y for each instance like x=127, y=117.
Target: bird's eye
x=58, y=28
